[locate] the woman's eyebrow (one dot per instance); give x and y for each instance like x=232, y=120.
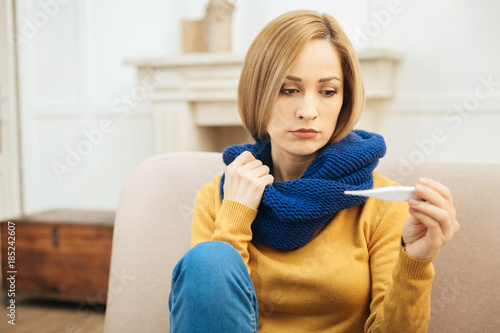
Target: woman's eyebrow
x=329, y=79
x=326, y=79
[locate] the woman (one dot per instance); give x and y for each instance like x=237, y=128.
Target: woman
x=277, y=246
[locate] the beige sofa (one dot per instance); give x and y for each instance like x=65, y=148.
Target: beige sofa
x=153, y=222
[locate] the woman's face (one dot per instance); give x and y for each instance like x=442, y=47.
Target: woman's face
x=304, y=116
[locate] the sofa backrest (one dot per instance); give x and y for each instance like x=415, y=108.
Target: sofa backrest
x=152, y=232
x=153, y=225
x=465, y=294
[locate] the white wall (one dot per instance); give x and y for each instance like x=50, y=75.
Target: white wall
x=72, y=77
x=449, y=50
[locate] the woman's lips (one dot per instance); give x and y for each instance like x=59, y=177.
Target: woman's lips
x=305, y=133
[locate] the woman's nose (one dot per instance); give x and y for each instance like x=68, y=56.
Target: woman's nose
x=308, y=110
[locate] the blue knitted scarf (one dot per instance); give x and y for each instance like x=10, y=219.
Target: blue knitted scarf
x=291, y=212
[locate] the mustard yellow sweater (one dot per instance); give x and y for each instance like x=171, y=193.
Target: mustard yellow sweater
x=352, y=276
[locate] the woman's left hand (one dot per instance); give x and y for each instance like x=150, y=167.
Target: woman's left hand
x=432, y=223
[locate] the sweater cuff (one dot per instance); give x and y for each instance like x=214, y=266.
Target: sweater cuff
x=415, y=268
x=236, y=217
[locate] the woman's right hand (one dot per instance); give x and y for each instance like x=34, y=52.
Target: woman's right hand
x=245, y=180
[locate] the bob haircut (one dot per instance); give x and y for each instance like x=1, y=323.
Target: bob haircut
x=271, y=57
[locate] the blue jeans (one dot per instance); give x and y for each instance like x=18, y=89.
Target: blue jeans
x=212, y=292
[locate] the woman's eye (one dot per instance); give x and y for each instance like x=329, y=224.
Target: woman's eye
x=289, y=92
x=328, y=93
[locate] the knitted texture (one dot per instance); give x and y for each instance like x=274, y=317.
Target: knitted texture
x=290, y=212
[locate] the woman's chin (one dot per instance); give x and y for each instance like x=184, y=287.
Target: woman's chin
x=305, y=149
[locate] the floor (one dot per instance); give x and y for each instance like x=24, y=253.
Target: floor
x=53, y=317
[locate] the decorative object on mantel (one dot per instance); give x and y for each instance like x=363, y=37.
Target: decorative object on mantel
x=213, y=32
x=218, y=23
x=193, y=38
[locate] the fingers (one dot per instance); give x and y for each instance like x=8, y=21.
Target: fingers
x=267, y=179
x=252, y=168
x=434, y=216
x=242, y=159
x=431, y=195
x=246, y=179
x=259, y=171
x=433, y=227
x=429, y=242
x=436, y=194
x=438, y=187
x=436, y=211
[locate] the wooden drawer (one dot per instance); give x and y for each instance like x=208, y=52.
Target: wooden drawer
x=63, y=254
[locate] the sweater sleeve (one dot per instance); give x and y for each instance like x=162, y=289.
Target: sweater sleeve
x=229, y=221
x=401, y=284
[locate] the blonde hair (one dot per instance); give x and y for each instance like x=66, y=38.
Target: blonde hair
x=271, y=57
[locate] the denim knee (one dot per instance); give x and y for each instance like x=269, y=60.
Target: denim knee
x=209, y=283
x=203, y=255
x=208, y=264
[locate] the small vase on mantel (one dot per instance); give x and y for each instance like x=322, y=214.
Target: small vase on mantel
x=218, y=24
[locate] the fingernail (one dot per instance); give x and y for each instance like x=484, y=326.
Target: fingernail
x=413, y=202
x=423, y=181
x=420, y=188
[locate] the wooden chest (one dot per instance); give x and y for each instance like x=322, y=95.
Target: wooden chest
x=59, y=254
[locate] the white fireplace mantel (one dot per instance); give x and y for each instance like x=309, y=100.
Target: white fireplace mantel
x=194, y=104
